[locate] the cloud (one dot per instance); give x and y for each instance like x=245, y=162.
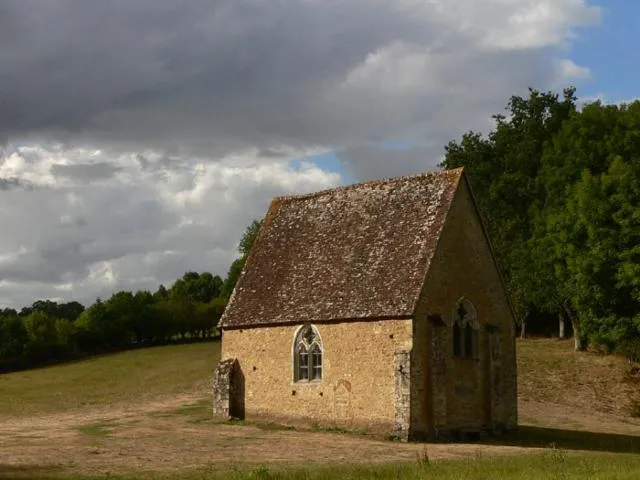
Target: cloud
x=85, y=171
x=569, y=71
x=138, y=139
x=13, y=182
x=135, y=230
x=210, y=78
x=368, y=162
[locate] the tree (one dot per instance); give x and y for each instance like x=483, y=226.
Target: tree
x=232, y=276
x=161, y=294
x=244, y=248
x=13, y=335
x=43, y=341
x=94, y=328
x=208, y=315
x=249, y=237
x=585, y=229
x=195, y=287
x=144, y=324
x=69, y=310
x=503, y=169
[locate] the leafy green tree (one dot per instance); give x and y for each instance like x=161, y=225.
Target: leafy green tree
x=65, y=336
x=601, y=232
x=96, y=330
x=582, y=233
x=161, y=294
x=503, y=169
x=69, y=311
x=195, y=287
x=43, y=341
x=177, y=315
x=249, y=237
x=13, y=335
x=120, y=325
x=244, y=248
x=145, y=323
x=208, y=315
x=232, y=276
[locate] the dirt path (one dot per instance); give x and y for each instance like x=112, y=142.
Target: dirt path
x=170, y=435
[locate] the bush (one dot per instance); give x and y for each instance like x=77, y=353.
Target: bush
x=630, y=348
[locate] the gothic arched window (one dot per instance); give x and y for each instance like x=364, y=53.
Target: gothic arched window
x=465, y=330
x=307, y=355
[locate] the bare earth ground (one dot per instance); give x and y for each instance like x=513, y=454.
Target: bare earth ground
x=160, y=437
x=176, y=433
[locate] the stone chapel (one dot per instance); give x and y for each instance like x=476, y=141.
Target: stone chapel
x=375, y=306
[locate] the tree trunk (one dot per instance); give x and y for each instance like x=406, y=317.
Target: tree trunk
x=577, y=339
x=523, y=329
x=560, y=325
x=578, y=344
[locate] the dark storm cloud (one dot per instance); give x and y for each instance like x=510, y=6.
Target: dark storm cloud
x=208, y=77
x=85, y=171
x=13, y=182
x=136, y=71
x=370, y=162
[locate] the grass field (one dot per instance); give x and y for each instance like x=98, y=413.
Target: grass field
x=146, y=414
x=126, y=378
x=549, y=465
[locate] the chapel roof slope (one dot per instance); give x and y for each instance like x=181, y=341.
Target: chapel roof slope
x=355, y=252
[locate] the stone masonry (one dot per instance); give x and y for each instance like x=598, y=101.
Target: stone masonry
x=464, y=393
x=402, y=425
x=358, y=386
x=228, y=390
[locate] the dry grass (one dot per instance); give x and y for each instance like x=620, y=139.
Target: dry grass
x=148, y=411
x=550, y=373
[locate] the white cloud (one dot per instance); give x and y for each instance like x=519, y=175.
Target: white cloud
x=508, y=24
x=605, y=99
x=79, y=238
x=569, y=71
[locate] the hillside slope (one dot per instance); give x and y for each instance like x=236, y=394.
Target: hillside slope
x=120, y=379
x=554, y=382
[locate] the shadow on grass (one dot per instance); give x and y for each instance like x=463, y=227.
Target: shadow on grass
x=27, y=472
x=529, y=436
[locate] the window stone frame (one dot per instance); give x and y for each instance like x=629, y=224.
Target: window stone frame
x=465, y=339
x=307, y=338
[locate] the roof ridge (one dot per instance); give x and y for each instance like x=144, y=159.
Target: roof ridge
x=353, y=186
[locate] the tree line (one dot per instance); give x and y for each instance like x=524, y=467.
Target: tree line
x=187, y=311
x=558, y=184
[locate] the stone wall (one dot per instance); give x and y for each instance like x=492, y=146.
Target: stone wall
x=359, y=383
x=402, y=367
x=463, y=393
x=228, y=390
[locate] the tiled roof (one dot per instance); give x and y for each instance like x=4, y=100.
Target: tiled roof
x=354, y=252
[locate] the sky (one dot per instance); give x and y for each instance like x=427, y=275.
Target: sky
x=139, y=139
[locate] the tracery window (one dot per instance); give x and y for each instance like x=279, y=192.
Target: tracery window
x=307, y=355
x=465, y=330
